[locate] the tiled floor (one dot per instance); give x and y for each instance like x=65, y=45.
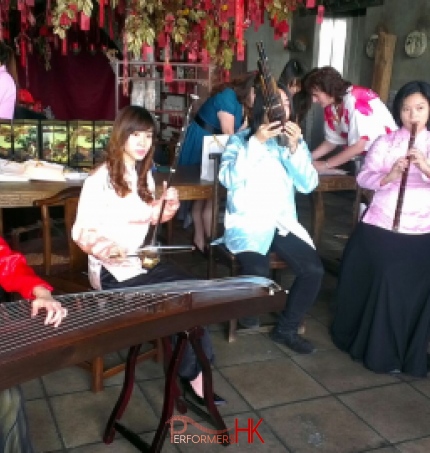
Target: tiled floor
x=324, y=402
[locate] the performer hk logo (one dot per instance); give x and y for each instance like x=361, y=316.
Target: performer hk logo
x=178, y=434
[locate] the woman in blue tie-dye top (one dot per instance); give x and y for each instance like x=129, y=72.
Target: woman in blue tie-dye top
x=261, y=178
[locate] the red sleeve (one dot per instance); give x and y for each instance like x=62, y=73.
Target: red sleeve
x=16, y=275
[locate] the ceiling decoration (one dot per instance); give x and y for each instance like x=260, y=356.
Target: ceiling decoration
x=189, y=30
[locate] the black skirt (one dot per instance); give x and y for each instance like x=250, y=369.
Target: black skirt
x=383, y=300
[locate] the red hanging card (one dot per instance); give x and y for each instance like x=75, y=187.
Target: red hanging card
x=161, y=40
x=239, y=19
x=181, y=87
x=146, y=51
x=84, y=22
x=167, y=73
x=101, y=13
x=64, y=46
x=192, y=55
x=240, y=51
x=310, y=3
x=320, y=14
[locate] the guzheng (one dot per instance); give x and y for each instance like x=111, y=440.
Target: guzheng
x=100, y=322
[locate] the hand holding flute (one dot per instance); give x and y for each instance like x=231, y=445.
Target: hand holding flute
x=402, y=165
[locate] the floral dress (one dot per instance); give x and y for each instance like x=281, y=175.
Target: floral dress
x=361, y=115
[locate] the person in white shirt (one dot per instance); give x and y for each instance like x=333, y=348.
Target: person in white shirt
x=115, y=210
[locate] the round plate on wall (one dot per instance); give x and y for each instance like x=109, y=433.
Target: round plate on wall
x=371, y=46
x=415, y=44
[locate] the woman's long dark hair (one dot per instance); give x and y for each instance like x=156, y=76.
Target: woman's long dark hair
x=416, y=86
x=241, y=85
x=130, y=119
x=258, y=115
x=293, y=72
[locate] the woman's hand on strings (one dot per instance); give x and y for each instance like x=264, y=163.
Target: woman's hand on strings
x=55, y=312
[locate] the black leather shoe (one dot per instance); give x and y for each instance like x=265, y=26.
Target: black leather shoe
x=293, y=340
x=203, y=253
x=188, y=390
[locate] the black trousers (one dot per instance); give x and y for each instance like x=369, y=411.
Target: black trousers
x=164, y=273
x=306, y=265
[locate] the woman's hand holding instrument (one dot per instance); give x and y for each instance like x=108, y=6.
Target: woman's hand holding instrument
x=402, y=188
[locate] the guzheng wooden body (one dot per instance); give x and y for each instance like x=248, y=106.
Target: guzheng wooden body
x=105, y=321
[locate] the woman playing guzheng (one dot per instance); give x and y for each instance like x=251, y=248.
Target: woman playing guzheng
x=17, y=276
x=116, y=208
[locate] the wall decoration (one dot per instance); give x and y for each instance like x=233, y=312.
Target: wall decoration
x=415, y=44
x=371, y=46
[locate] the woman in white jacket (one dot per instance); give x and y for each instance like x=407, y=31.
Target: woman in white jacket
x=261, y=178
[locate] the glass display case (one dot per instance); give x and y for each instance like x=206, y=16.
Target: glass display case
x=55, y=147
x=81, y=143
x=72, y=143
x=102, y=131
x=6, y=139
x=25, y=139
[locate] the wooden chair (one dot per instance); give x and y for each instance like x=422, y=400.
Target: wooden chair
x=219, y=254
x=75, y=278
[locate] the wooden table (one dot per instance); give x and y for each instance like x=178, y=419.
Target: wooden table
x=328, y=183
x=23, y=194
x=186, y=180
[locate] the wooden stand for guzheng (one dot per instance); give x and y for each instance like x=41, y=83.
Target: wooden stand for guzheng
x=172, y=394
x=101, y=322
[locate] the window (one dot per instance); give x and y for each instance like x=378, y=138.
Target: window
x=332, y=37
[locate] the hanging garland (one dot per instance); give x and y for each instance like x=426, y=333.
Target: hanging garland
x=197, y=30
x=196, y=26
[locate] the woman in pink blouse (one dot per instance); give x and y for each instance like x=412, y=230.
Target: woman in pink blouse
x=354, y=117
x=383, y=297
x=116, y=208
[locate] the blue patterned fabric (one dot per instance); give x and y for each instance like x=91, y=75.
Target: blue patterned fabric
x=261, y=179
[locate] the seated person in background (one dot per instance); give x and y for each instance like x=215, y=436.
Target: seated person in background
x=24, y=113
x=291, y=76
x=17, y=276
x=224, y=112
x=383, y=297
x=354, y=116
x=261, y=178
x=115, y=210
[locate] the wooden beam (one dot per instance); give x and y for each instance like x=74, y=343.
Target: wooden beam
x=383, y=64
